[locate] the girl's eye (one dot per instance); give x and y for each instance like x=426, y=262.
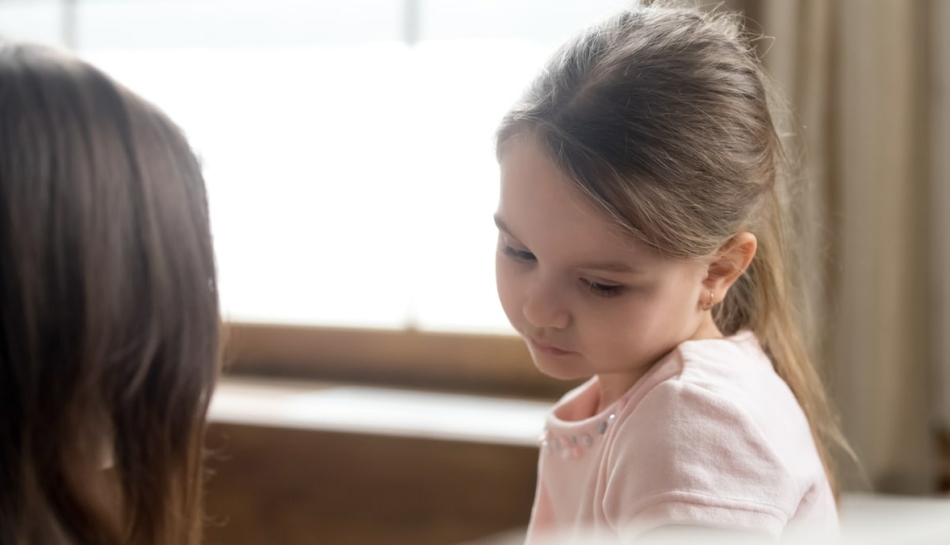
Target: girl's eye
x=520, y=255
x=603, y=290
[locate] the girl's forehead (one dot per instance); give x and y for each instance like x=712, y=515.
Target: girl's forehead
x=539, y=205
x=532, y=182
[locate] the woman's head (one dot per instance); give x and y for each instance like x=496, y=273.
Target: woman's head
x=108, y=310
x=659, y=122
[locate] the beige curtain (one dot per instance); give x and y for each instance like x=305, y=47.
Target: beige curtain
x=940, y=209
x=863, y=80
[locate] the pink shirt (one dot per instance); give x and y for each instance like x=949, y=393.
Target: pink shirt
x=710, y=436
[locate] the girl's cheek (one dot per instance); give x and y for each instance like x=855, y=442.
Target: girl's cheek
x=508, y=287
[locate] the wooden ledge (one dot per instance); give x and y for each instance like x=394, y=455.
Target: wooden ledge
x=389, y=412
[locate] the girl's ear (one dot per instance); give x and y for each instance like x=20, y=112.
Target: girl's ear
x=729, y=264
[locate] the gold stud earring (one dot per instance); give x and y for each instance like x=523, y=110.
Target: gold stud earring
x=711, y=302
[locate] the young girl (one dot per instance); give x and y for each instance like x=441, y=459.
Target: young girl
x=641, y=244
x=108, y=312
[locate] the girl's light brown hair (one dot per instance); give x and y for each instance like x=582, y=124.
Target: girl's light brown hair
x=661, y=116
x=108, y=311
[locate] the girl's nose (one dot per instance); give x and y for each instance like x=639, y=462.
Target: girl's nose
x=544, y=309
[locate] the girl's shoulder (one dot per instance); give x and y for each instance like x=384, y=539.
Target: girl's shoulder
x=719, y=421
x=727, y=383
x=735, y=368
x=717, y=436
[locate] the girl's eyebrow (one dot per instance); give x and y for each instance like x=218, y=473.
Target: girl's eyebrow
x=608, y=266
x=502, y=225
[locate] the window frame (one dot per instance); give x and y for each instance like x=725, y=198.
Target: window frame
x=465, y=362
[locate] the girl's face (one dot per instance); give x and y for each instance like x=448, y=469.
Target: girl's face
x=586, y=299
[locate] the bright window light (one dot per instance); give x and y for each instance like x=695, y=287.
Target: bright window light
x=351, y=176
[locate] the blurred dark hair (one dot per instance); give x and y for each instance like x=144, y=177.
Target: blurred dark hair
x=109, y=319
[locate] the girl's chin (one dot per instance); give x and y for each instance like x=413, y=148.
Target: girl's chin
x=560, y=367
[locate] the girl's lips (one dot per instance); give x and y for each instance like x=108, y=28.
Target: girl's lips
x=547, y=348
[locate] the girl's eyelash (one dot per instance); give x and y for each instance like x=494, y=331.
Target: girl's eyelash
x=597, y=288
x=603, y=290
x=521, y=255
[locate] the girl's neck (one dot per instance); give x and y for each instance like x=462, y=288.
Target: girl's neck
x=614, y=385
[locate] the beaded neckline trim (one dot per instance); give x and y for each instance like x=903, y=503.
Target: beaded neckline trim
x=572, y=446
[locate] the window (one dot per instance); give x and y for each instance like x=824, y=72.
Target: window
x=347, y=146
